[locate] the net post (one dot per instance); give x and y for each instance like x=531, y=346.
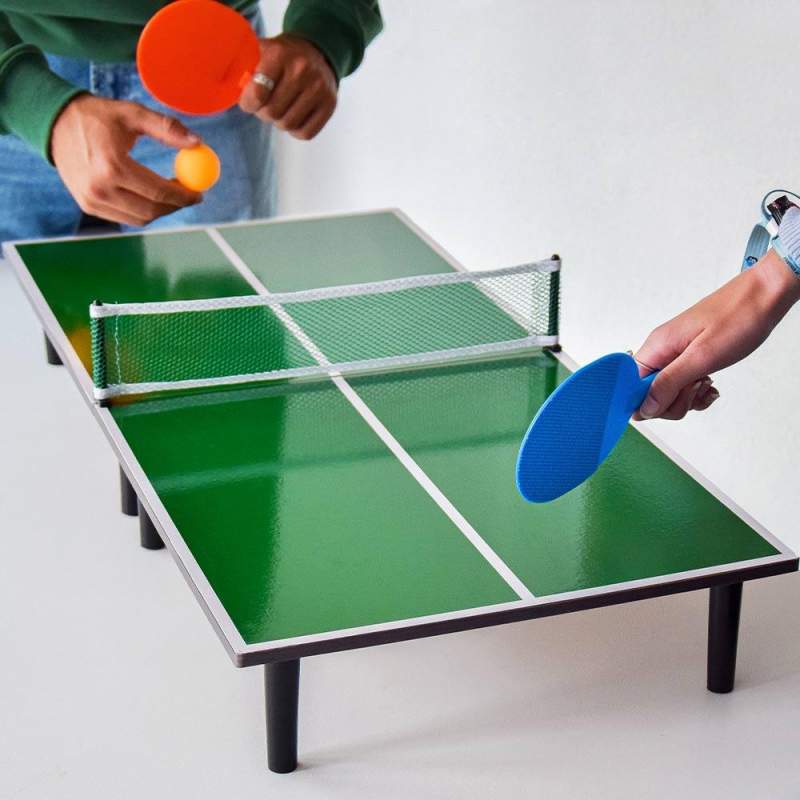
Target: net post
x=97, y=327
x=554, y=302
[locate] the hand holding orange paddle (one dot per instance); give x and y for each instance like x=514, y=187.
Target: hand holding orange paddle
x=293, y=87
x=202, y=57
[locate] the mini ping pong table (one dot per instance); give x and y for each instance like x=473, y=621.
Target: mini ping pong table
x=315, y=516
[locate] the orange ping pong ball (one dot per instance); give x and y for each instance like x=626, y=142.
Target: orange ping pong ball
x=197, y=168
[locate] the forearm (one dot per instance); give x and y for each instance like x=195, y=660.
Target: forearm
x=715, y=333
x=779, y=287
x=31, y=95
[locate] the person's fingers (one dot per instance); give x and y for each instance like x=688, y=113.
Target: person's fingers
x=690, y=366
x=113, y=214
x=102, y=200
x=167, y=130
x=709, y=398
x=255, y=95
x=706, y=386
x=140, y=207
x=682, y=403
x=302, y=108
x=314, y=124
x=264, y=116
x=142, y=181
x=701, y=399
x=116, y=202
x=302, y=96
x=644, y=368
x=280, y=101
x=658, y=350
x=697, y=397
x=134, y=194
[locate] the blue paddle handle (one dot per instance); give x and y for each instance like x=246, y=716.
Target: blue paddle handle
x=641, y=391
x=648, y=380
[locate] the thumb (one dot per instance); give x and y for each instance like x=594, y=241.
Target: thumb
x=687, y=368
x=167, y=130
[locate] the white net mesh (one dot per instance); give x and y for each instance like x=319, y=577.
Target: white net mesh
x=145, y=347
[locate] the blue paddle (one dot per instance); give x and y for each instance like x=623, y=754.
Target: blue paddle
x=578, y=426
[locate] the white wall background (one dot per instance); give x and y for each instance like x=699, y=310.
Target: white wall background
x=634, y=137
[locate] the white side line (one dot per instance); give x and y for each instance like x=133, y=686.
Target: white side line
x=433, y=490
x=380, y=429
x=280, y=312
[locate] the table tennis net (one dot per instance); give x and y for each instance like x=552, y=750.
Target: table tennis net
x=176, y=345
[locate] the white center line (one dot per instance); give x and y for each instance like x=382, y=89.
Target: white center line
x=378, y=427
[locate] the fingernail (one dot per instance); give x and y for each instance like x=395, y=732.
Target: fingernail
x=694, y=392
x=649, y=408
x=709, y=399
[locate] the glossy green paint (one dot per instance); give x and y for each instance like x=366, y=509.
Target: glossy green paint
x=73, y=273
x=298, y=515
x=307, y=254
x=639, y=516
x=300, y=518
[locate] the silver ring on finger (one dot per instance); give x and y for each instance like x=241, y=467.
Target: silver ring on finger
x=264, y=80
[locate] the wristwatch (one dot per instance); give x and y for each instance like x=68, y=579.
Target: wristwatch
x=784, y=216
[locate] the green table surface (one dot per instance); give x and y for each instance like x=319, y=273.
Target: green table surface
x=298, y=515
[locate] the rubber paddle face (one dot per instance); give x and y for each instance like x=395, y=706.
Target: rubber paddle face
x=197, y=55
x=578, y=426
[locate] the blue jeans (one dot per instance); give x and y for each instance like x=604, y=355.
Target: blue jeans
x=34, y=202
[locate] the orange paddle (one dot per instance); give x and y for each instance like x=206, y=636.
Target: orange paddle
x=197, y=55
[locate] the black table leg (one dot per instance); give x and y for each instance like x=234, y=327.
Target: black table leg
x=149, y=535
x=128, y=499
x=724, y=607
x=52, y=356
x=281, y=688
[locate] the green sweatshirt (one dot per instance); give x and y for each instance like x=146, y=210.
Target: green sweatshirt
x=31, y=96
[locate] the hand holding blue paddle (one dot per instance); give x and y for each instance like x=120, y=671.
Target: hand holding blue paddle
x=578, y=426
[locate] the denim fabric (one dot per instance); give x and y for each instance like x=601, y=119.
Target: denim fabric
x=35, y=203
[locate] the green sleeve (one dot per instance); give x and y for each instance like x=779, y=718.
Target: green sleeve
x=31, y=96
x=341, y=29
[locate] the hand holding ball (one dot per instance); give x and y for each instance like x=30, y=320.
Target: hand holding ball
x=197, y=168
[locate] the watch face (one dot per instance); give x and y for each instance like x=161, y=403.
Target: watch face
x=779, y=207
